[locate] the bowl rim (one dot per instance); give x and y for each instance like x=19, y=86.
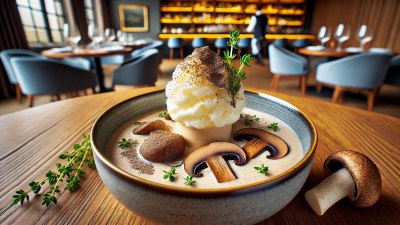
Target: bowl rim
x=212, y=192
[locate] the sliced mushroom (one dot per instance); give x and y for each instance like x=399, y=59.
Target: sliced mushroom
x=356, y=177
x=163, y=147
x=274, y=144
x=212, y=156
x=148, y=127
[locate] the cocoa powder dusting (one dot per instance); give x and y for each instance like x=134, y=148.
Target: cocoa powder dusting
x=209, y=64
x=137, y=163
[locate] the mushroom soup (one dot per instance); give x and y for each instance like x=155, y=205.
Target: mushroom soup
x=131, y=160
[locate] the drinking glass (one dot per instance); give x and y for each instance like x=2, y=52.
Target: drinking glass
x=364, y=35
x=342, y=34
x=324, y=35
x=95, y=35
x=109, y=35
x=72, y=37
x=122, y=37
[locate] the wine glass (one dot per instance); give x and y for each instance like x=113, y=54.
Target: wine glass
x=72, y=37
x=342, y=34
x=122, y=37
x=94, y=34
x=109, y=34
x=364, y=35
x=324, y=35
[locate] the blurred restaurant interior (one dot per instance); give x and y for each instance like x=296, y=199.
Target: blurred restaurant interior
x=53, y=50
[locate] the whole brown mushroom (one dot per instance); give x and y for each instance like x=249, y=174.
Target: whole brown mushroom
x=356, y=177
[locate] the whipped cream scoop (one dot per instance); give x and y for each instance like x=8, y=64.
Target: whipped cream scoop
x=198, y=94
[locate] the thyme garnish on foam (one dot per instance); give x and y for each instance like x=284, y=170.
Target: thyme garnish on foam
x=235, y=75
x=73, y=171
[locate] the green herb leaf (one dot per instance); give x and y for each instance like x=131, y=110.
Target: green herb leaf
x=20, y=197
x=170, y=174
x=125, y=143
x=273, y=126
x=251, y=120
x=262, y=169
x=189, y=180
x=164, y=114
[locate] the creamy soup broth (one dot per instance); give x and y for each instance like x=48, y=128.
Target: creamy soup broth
x=245, y=174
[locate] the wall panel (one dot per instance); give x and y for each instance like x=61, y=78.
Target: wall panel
x=383, y=16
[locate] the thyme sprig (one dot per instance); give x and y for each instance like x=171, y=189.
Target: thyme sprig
x=80, y=156
x=235, y=75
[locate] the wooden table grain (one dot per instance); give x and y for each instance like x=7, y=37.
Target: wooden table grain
x=31, y=141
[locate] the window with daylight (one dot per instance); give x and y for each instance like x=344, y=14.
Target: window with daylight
x=90, y=13
x=42, y=20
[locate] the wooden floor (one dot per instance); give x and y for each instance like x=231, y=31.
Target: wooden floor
x=387, y=102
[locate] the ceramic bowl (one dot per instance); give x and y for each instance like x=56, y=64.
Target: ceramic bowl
x=163, y=204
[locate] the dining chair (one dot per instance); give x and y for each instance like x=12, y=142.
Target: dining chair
x=286, y=64
x=393, y=75
x=156, y=44
x=300, y=43
x=363, y=72
x=174, y=43
x=244, y=43
x=42, y=76
x=139, y=71
x=199, y=42
x=6, y=56
x=221, y=43
x=281, y=42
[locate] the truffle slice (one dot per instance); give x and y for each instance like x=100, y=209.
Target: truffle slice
x=162, y=147
x=148, y=127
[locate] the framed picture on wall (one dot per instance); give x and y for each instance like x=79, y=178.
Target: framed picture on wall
x=134, y=17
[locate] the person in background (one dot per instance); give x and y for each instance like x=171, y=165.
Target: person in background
x=258, y=25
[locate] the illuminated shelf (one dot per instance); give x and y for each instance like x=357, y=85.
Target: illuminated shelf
x=243, y=35
x=196, y=21
x=228, y=21
x=203, y=9
x=172, y=21
x=224, y=10
x=176, y=9
x=295, y=13
x=268, y=12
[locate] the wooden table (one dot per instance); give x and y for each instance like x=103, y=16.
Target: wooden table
x=96, y=54
x=32, y=139
x=328, y=52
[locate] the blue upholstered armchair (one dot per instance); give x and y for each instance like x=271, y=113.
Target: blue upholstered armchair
x=393, y=74
x=40, y=76
x=8, y=54
x=364, y=72
x=141, y=70
x=286, y=64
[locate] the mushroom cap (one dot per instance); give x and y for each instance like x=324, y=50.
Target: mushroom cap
x=366, y=175
x=276, y=145
x=195, y=161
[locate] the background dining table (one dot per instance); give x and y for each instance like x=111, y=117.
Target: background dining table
x=327, y=52
x=96, y=54
x=32, y=139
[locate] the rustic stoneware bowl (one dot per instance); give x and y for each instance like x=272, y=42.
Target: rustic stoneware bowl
x=162, y=204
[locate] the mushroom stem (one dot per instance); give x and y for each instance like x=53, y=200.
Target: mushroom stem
x=335, y=187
